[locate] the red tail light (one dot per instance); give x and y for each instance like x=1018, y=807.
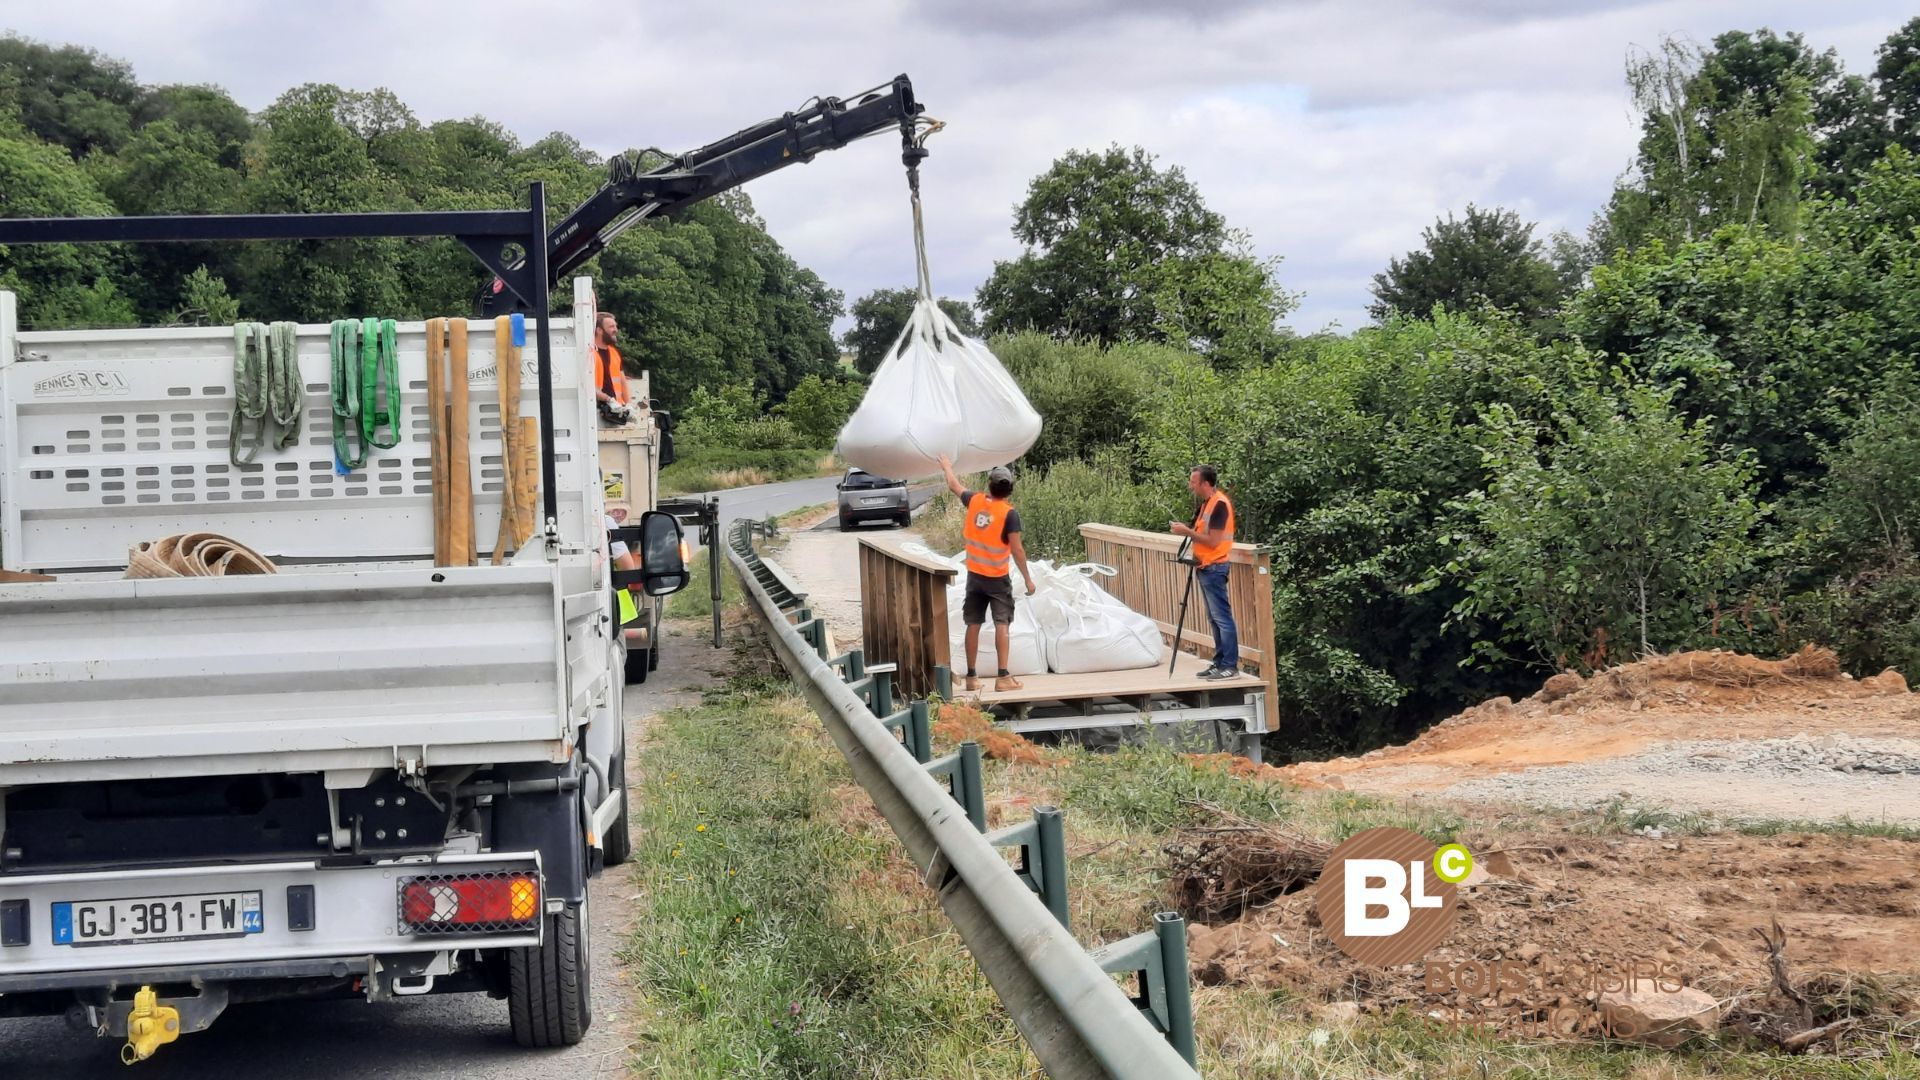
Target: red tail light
x=455, y=903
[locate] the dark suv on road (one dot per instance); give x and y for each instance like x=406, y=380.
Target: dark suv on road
x=866, y=497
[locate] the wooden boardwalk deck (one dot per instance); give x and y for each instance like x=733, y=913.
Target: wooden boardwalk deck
x=1137, y=683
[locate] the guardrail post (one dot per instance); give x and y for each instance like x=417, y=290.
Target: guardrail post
x=883, y=689
x=1043, y=857
x=920, y=733
x=962, y=772
x=943, y=681
x=856, y=665
x=1159, y=959
x=1053, y=860
x=971, y=792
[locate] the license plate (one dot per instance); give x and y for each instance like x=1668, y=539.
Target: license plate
x=873, y=502
x=157, y=918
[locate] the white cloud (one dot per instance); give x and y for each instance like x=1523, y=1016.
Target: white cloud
x=1332, y=132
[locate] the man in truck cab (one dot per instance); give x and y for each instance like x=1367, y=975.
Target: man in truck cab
x=609, y=371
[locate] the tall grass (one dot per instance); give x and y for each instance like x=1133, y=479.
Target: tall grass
x=782, y=933
x=723, y=468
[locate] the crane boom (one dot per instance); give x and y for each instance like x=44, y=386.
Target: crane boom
x=631, y=195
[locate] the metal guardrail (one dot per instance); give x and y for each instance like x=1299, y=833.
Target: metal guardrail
x=1014, y=921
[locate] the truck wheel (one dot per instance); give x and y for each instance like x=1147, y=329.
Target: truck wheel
x=639, y=662
x=548, y=997
x=617, y=845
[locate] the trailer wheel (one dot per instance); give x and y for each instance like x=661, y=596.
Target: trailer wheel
x=638, y=663
x=548, y=995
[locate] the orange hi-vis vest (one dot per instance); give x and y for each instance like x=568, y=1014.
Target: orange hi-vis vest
x=988, y=553
x=1208, y=554
x=609, y=373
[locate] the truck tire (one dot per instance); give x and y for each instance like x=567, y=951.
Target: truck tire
x=639, y=662
x=617, y=847
x=548, y=986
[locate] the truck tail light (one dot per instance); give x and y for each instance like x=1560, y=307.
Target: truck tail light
x=469, y=903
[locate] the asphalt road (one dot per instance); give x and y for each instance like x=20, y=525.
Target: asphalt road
x=463, y=1036
x=769, y=500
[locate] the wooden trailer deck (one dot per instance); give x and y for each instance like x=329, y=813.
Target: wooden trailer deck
x=1121, y=685
x=904, y=621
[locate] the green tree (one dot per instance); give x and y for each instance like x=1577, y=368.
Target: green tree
x=1119, y=249
x=1488, y=258
x=307, y=161
x=880, y=316
x=58, y=284
x=204, y=301
x=164, y=169
x=1896, y=80
x=1614, y=528
x=72, y=97
x=818, y=408
x=1093, y=398
x=1727, y=137
x=206, y=110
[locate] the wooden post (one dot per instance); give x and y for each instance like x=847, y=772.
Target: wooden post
x=459, y=470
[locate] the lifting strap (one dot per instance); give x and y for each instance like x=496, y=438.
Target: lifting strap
x=363, y=354
x=266, y=388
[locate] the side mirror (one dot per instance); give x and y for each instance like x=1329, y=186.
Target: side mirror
x=663, y=554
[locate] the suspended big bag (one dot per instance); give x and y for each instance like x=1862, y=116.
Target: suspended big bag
x=937, y=392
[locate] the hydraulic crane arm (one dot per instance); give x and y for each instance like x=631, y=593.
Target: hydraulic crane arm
x=631, y=196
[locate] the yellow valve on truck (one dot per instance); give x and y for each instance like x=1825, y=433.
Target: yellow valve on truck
x=149, y=1026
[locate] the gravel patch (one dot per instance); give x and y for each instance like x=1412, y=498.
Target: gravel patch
x=1804, y=777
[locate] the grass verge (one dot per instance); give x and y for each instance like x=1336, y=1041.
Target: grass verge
x=782, y=932
x=696, y=600
x=722, y=468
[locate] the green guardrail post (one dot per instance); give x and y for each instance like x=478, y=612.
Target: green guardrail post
x=883, y=690
x=1052, y=836
x=1171, y=929
x=969, y=789
x=1159, y=959
x=856, y=664
x=943, y=681
x=920, y=733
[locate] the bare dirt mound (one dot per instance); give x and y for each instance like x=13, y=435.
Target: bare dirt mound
x=1554, y=910
x=1699, y=697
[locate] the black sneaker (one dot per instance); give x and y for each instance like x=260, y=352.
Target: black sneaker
x=1218, y=672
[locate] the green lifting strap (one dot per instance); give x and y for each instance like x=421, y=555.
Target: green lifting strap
x=266, y=388
x=365, y=354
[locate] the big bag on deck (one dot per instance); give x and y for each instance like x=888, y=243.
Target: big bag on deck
x=938, y=392
x=1084, y=628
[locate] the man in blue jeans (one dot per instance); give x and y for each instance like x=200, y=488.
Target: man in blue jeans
x=1212, y=534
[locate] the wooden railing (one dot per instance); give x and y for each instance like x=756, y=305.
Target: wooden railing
x=903, y=612
x=1152, y=582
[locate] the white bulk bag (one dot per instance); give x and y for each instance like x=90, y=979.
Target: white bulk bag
x=1026, y=652
x=937, y=392
x=1086, y=629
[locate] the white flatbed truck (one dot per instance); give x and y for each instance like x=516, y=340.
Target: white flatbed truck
x=362, y=775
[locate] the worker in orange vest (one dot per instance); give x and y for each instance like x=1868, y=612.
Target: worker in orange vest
x=993, y=548
x=1212, y=534
x=609, y=370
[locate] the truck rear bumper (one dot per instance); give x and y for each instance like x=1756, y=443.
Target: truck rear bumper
x=307, y=911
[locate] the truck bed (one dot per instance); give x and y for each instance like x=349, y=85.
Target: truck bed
x=350, y=669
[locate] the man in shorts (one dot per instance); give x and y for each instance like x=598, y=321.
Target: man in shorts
x=993, y=549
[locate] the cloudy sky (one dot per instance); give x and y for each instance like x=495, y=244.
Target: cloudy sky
x=1332, y=132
